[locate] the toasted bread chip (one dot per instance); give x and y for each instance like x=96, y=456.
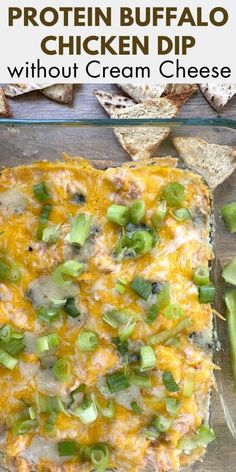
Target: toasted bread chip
x=214, y=162
x=218, y=95
x=142, y=92
x=13, y=90
x=62, y=93
x=4, y=107
x=112, y=102
x=140, y=143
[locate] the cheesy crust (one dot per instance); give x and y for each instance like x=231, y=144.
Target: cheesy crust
x=183, y=246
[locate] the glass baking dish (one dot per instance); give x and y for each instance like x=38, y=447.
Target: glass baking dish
x=22, y=142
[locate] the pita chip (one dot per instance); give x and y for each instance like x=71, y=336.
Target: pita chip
x=4, y=107
x=14, y=90
x=62, y=93
x=112, y=102
x=142, y=92
x=218, y=95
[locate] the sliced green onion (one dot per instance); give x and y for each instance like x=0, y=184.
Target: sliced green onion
x=117, y=318
x=148, y=358
x=6, y=333
x=228, y=213
x=181, y=214
x=67, y=448
x=169, y=382
x=62, y=369
x=25, y=426
x=201, y=276
x=136, y=408
x=87, y=341
x=142, y=242
x=49, y=425
x=206, y=293
x=32, y=413
x=7, y=360
x=117, y=382
x=69, y=268
x=43, y=219
x=188, y=386
x=70, y=308
x=125, y=332
x=46, y=404
x=174, y=342
x=58, y=302
x=140, y=380
x=142, y=287
x=122, y=347
x=137, y=211
x=159, y=214
x=80, y=389
x=41, y=192
x=99, y=455
x=123, y=245
x=9, y=271
x=163, y=336
x=152, y=314
x=80, y=229
x=163, y=297
x=201, y=438
x=121, y=286
x=174, y=194
x=87, y=411
x=174, y=312
x=47, y=314
x=109, y=410
x=13, y=347
x=172, y=405
x=45, y=343
x=162, y=423
x=151, y=433
x=51, y=234
x=229, y=272
x=119, y=214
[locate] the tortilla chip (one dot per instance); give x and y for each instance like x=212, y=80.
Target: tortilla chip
x=218, y=95
x=62, y=93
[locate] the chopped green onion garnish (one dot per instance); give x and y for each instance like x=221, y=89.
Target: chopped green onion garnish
x=45, y=343
x=62, y=369
x=188, y=386
x=117, y=318
x=152, y=314
x=43, y=219
x=70, y=308
x=25, y=426
x=159, y=214
x=201, y=438
x=121, y=286
x=174, y=312
x=80, y=229
x=87, y=411
x=32, y=413
x=137, y=211
x=49, y=425
x=47, y=314
x=172, y=405
x=174, y=194
x=174, y=342
x=142, y=287
x=119, y=214
x=142, y=242
x=228, y=213
x=6, y=333
x=51, y=234
x=117, y=382
x=46, y=404
x=122, y=347
x=122, y=247
x=136, y=408
x=41, y=192
x=67, y=448
x=148, y=358
x=99, y=456
x=13, y=347
x=229, y=272
x=108, y=411
x=125, y=332
x=7, y=360
x=163, y=336
x=69, y=268
x=9, y=271
x=80, y=389
x=201, y=276
x=206, y=293
x=169, y=382
x=87, y=341
x=140, y=380
x=181, y=214
x=162, y=423
x=151, y=433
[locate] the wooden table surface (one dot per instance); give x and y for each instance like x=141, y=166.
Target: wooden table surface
x=85, y=105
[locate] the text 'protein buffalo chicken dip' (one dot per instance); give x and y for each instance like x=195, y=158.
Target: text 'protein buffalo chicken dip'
x=106, y=319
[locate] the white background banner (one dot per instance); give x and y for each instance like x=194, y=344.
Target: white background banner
x=81, y=52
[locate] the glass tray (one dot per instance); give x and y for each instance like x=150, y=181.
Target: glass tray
x=22, y=142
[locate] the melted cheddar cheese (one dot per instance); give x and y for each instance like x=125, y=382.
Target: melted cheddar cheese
x=182, y=247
